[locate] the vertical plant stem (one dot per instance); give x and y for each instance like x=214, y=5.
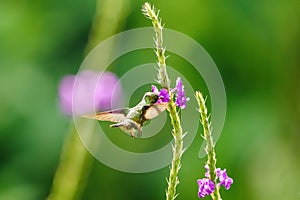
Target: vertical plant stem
x=177, y=151
x=108, y=20
x=75, y=163
x=164, y=81
x=210, y=149
x=150, y=13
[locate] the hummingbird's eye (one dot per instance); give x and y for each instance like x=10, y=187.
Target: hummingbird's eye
x=147, y=97
x=150, y=98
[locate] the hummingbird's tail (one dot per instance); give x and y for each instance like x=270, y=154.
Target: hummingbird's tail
x=129, y=126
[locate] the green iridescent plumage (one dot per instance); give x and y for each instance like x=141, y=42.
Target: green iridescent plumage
x=131, y=120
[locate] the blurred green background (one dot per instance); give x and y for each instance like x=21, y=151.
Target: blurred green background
x=255, y=44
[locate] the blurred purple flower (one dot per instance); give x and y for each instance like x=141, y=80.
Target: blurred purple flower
x=225, y=180
x=206, y=187
x=180, y=95
x=163, y=94
x=88, y=91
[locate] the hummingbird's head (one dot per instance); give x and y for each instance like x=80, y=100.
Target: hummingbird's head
x=150, y=98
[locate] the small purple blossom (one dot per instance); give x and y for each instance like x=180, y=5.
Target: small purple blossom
x=154, y=89
x=180, y=95
x=207, y=171
x=205, y=184
x=88, y=91
x=163, y=94
x=206, y=187
x=225, y=180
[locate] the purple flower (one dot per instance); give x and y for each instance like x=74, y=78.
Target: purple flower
x=206, y=187
x=154, y=89
x=88, y=91
x=163, y=94
x=180, y=95
x=225, y=180
x=207, y=171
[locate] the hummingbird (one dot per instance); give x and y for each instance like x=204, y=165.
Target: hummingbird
x=131, y=120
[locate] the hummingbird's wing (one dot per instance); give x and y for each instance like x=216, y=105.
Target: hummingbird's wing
x=117, y=115
x=155, y=109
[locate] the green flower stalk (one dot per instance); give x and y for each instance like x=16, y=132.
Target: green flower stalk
x=151, y=13
x=163, y=79
x=173, y=180
x=72, y=172
x=75, y=164
x=210, y=149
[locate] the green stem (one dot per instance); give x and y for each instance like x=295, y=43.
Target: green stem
x=108, y=19
x=177, y=151
x=150, y=13
x=164, y=81
x=74, y=166
x=71, y=173
x=210, y=148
